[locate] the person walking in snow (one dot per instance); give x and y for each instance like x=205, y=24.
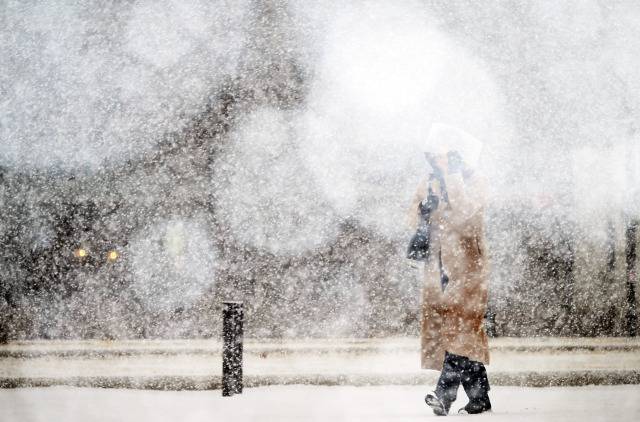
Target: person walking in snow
x=454, y=301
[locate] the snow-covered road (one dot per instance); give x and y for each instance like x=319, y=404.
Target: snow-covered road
x=312, y=403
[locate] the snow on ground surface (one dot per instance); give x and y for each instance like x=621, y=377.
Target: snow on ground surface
x=313, y=403
x=388, y=357
x=396, y=343
x=391, y=363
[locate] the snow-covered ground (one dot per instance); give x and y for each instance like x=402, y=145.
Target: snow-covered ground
x=279, y=364
x=198, y=364
x=312, y=403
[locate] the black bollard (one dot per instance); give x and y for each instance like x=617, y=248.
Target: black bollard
x=631, y=318
x=232, y=317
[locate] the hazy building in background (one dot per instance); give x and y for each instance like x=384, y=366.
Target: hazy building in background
x=156, y=160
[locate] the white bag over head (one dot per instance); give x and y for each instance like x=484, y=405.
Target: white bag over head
x=443, y=138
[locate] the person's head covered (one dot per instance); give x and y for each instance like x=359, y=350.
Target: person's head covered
x=443, y=139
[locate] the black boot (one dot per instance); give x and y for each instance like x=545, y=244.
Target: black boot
x=439, y=406
x=476, y=406
x=476, y=385
x=447, y=388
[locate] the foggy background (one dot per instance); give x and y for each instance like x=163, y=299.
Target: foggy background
x=267, y=151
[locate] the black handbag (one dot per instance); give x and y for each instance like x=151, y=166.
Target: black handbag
x=418, y=249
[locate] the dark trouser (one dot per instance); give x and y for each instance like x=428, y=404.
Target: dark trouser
x=459, y=369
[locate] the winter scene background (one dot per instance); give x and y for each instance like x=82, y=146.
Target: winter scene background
x=159, y=157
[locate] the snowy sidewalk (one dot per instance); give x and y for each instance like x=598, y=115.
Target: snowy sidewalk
x=196, y=364
x=314, y=403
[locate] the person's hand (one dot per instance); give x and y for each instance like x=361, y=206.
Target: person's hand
x=428, y=205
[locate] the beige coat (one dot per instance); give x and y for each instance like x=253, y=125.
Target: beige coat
x=453, y=321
